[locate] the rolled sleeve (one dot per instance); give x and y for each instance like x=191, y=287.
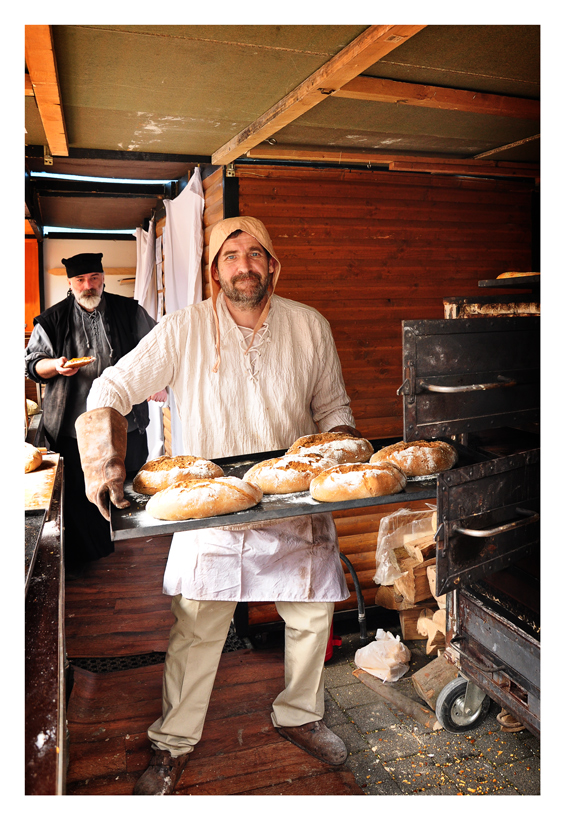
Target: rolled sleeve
x=39, y=347
x=139, y=374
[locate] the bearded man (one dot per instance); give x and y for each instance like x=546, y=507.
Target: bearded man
x=250, y=372
x=89, y=322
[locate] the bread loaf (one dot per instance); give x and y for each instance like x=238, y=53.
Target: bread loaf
x=418, y=458
x=350, y=481
x=515, y=274
x=341, y=447
x=80, y=361
x=32, y=458
x=288, y=473
x=162, y=472
x=203, y=498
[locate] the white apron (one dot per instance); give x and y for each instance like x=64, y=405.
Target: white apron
x=294, y=559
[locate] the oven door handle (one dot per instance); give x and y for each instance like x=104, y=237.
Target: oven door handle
x=468, y=388
x=531, y=518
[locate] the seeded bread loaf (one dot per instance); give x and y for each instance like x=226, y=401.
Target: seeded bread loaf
x=161, y=472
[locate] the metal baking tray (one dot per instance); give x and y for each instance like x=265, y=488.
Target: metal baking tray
x=135, y=522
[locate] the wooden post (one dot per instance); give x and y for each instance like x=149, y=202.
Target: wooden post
x=396, y=698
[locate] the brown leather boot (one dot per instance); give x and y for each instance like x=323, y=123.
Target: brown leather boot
x=102, y=444
x=319, y=741
x=162, y=774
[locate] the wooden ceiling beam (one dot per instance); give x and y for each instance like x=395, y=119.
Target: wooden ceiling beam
x=42, y=69
x=374, y=89
x=395, y=162
x=499, y=149
x=467, y=168
x=367, y=49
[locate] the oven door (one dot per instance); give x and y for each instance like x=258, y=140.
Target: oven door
x=465, y=375
x=488, y=518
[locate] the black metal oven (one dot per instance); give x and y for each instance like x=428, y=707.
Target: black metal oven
x=476, y=381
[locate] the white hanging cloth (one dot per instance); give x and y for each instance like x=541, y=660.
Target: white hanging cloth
x=145, y=293
x=183, y=246
x=184, y=241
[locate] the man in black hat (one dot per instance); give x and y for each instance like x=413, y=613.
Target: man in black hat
x=89, y=322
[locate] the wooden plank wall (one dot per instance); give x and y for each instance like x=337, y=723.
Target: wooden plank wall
x=213, y=186
x=371, y=248
x=368, y=249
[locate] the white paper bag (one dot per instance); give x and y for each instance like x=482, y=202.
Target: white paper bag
x=385, y=657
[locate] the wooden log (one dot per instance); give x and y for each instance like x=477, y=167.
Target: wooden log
x=414, y=585
x=409, y=624
x=388, y=598
x=432, y=573
x=389, y=693
x=432, y=625
x=422, y=549
x=432, y=678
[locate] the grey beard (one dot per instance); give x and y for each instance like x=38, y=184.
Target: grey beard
x=244, y=299
x=89, y=302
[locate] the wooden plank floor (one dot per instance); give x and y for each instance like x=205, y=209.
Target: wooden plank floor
x=117, y=609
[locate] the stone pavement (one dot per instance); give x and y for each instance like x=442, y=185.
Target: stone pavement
x=391, y=754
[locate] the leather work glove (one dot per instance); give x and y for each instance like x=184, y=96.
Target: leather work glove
x=102, y=444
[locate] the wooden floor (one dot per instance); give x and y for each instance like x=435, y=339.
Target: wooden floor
x=118, y=610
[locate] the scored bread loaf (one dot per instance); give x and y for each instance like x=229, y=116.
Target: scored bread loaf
x=161, y=472
x=342, y=447
x=203, y=498
x=351, y=481
x=418, y=458
x=32, y=458
x=288, y=473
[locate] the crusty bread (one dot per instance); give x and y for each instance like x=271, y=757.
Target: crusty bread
x=350, y=481
x=203, y=498
x=166, y=470
x=288, y=473
x=515, y=274
x=342, y=447
x=418, y=458
x=32, y=458
x=80, y=361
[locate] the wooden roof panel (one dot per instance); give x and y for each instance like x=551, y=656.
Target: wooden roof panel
x=403, y=128
x=158, y=89
x=491, y=59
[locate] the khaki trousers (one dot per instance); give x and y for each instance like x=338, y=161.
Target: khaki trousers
x=195, y=647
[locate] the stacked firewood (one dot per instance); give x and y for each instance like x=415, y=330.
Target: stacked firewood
x=413, y=595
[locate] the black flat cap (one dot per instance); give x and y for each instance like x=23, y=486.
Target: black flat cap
x=83, y=263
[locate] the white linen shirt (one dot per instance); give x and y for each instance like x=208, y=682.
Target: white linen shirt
x=295, y=388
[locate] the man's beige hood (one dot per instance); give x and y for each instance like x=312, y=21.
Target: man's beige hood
x=220, y=233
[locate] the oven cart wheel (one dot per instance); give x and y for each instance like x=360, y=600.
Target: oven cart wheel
x=461, y=705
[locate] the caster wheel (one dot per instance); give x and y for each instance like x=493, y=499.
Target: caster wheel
x=450, y=710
